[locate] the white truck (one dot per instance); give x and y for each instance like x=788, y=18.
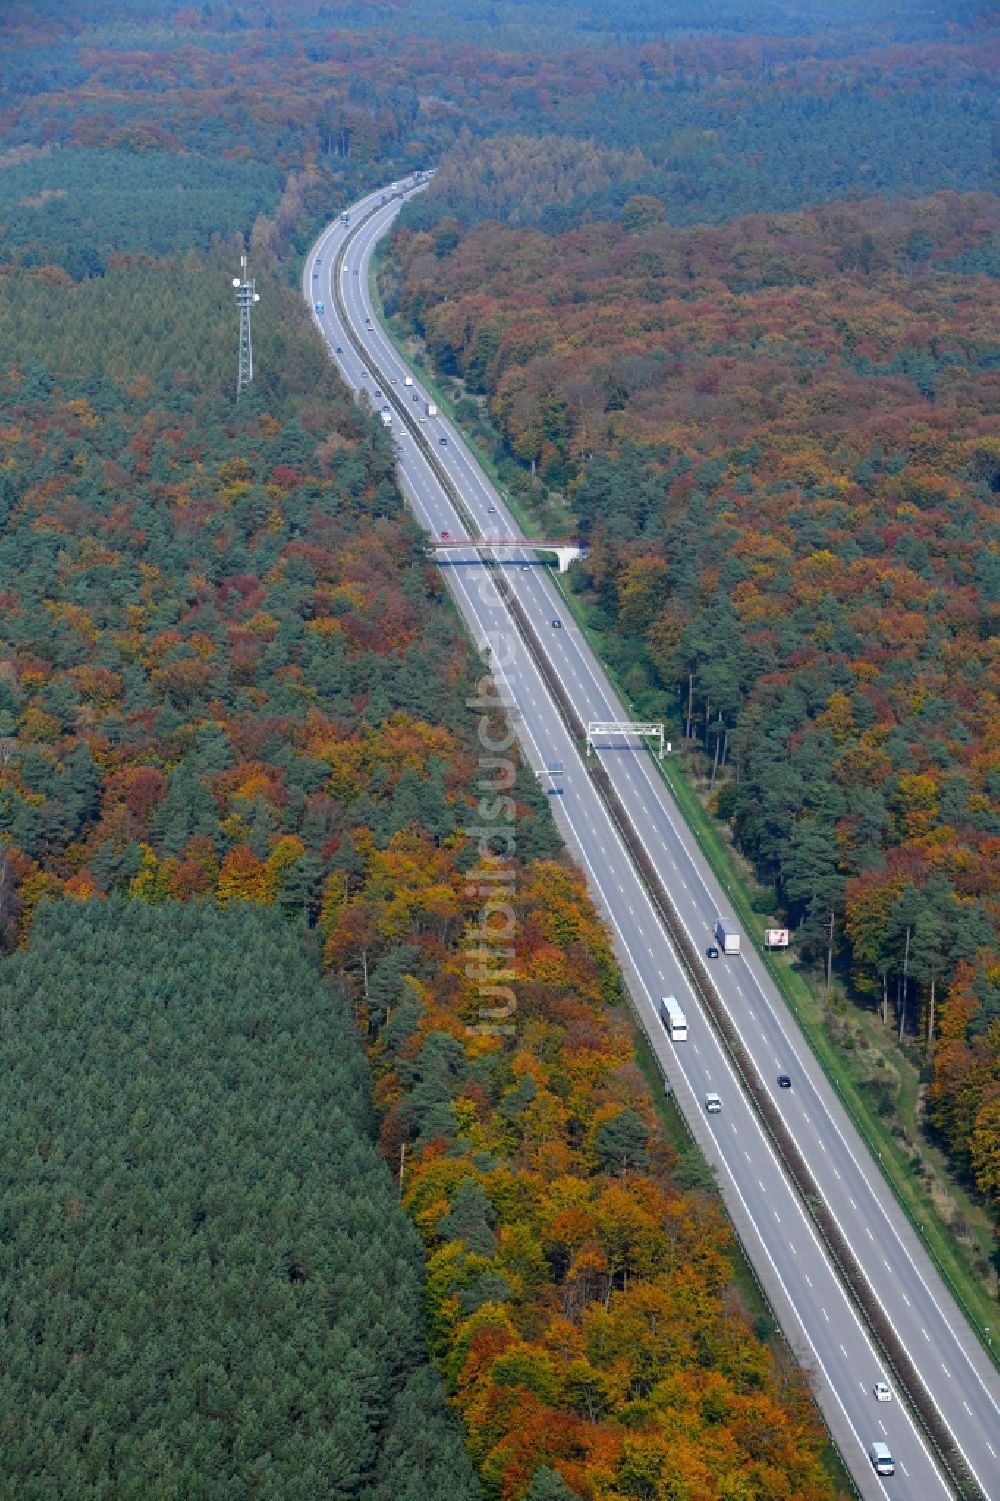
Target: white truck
x=673, y=1018
x=728, y=935
x=430, y=409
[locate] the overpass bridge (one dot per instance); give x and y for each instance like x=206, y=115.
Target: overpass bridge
x=565, y=549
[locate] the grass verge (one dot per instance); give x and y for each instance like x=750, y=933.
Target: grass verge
x=843, y=1070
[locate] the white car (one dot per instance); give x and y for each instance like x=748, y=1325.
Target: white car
x=712, y=1103
x=882, y=1392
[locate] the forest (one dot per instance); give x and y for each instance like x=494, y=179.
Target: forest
x=210, y=1288
x=236, y=758
x=578, y=1300
x=778, y=438
x=229, y=678
x=538, y=114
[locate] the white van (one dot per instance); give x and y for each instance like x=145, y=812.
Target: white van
x=882, y=1460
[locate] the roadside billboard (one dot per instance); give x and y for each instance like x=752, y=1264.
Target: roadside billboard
x=776, y=938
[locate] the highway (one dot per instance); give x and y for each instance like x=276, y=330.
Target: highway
x=817, y=1314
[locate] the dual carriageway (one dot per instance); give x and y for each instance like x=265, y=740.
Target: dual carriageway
x=451, y=496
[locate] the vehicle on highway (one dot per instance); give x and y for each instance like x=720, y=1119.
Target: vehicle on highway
x=445, y=536
x=416, y=395
x=443, y=440
x=339, y=350
x=557, y=625
x=524, y=567
x=882, y=1392
x=431, y=409
x=320, y=307
x=315, y=276
x=492, y=510
x=368, y=323
x=355, y=270
x=408, y=381
x=784, y=1082
x=881, y=1460
x=728, y=935
x=711, y=952
x=713, y=1104
x=673, y=1018
x=319, y=260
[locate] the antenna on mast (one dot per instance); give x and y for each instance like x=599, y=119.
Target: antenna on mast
x=246, y=296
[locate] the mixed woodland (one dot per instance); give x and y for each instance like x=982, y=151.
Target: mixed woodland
x=237, y=762
x=229, y=678
x=778, y=438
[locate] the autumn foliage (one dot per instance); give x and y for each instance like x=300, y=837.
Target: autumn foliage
x=578, y=1301
x=778, y=438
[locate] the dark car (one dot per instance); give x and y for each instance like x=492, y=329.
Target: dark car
x=784, y=1082
x=443, y=440
x=339, y=350
x=711, y=952
x=557, y=625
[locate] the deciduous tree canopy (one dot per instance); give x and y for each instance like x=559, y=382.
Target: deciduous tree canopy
x=778, y=438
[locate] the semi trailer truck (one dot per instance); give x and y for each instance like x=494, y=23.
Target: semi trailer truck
x=728, y=935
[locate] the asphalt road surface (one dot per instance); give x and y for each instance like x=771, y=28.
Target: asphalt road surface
x=816, y=1313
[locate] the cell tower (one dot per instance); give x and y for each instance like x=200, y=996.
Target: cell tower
x=245, y=299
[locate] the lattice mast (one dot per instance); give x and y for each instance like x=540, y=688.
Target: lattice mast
x=246, y=296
